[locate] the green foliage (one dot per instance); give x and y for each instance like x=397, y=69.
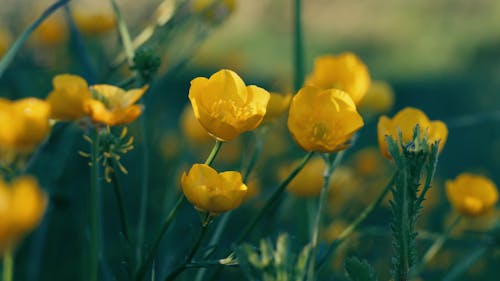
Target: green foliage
x=359, y=270
x=413, y=160
x=146, y=63
x=273, y=264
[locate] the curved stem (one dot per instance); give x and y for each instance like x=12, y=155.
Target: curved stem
x=94, y=214
x=8, y=265
x=214, y=152
x=355, y=224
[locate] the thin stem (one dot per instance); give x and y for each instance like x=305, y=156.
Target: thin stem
x=149, y=260
x=8, y=265
x=124, y=34
x=465, y=263
x=355, y=224
x=11, y=53
x=435, y=247
x=214, y=152
x=94, y=214
x=192, y=252
x=119, y=200
x=298, y=46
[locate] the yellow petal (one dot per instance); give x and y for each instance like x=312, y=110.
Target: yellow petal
x=68, y=98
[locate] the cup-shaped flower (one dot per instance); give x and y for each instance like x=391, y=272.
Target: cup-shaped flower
x=472, y=195
x=25, y=123
x=277, y=105
x=323, y=120
x=69, y=97
x=345, y=72
x=22, y=204
x=113, y=106
x=225, y=106
x=213, y=192
x=406, y=121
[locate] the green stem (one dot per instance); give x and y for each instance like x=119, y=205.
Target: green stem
x=149, y=260
x=8, y=265
x=355, y=224
x=94, y=215
x=435, y=247
x=11, y=53
x=298, y=46
x=124, y=34
x=214, y=152
x=119, y=200
x=465, y=263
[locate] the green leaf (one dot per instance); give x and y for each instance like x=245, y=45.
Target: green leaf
x=359, y=270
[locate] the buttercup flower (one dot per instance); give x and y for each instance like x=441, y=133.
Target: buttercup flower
x=192, y=128
x=213, y=192
x=226, y=107
x=22, y=205
x=472, y=195
x=323, y=120
x=406, y=120
x=25, y=123
x=345, y=72
x=378, y=99
x=113, y=106
x=277, y=105
x=69, y=97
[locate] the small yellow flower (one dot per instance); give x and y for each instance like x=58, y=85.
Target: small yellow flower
x=378, y=99
x=22, y=205
x=69, y=97
x=25, y=123
x=277, y=105
x=94, y=22
x=472, y=195
x=226, y=107
x=52, y=31
x=113, y=106
x=406, y=120
x=5, y=41
x=213, y=192
x=345, y=72
x=192, y=128
x=323, y=120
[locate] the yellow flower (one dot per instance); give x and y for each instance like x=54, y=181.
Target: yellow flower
x=25, y=123
x=406, y=120
x=345, y=72
x=94, y=22
x=213, y=192
x=5, y=40
x=52, y=31
x=113, y=106
x=22, y=205
x=69, y=97
x=226, y=107
x=308, y=181
x=277, y=105
x=378, y=99
x=192, y=128
x=323, y=120
x=472, y=195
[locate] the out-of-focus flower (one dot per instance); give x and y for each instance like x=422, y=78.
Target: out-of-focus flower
x=113, y=106
x=472, y=195
x=214, y=11
x=323, y=120
x=226, y=107
x=5, y=41
x=378, y=99
x=406, y=120
x=69, y=97
x=170, y=144
x=277, y=105
x=369, y=162
x=192, y=128
x=230, y=153
x=213, y=192
x=308, y=182
x=94, y=22
x=25, y=123
x=52, y=31
x=253, y=186
x=345, y=72
x=22, y=205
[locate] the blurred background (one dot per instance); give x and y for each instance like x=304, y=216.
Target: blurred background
x=440, y=56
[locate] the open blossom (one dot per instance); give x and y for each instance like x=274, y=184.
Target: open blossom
x=22, y=205
x=225, y=106
x=323, y=120
x=213, y=192
x=406, y=121
x=25, y=123
x=345, y=72
x=472, y=195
